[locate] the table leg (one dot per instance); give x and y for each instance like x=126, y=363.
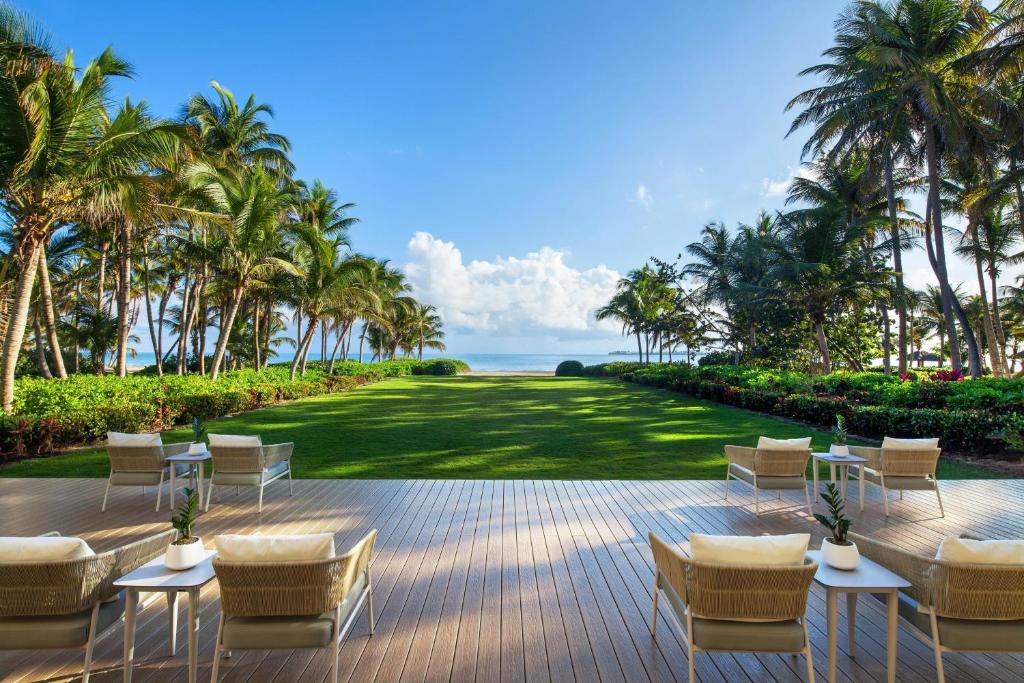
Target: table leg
x=200, y=467
x=172, y=621
x=193, y=634
x=814, y=471
x=832, y=617
x=844, y=473
x=173, y=485
x=851, y=621
x=832, y=472
x=130, y=605
x=892, y=630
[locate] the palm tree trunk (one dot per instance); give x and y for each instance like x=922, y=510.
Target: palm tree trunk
x=46, y=299
x=939, y=265
x=149, y=307
x=986, y=318
x=256, y=335
x=75, y=318
x=101, y=279
x=826, y=359
x=886, y=339
x=897, y=263
x=29, y=263
x=44, y=368
x=227, y=320
x=306, y=340
x=342, y=335
x=997, y=319
x=183, y=321
x=639, y=348
x=1019, y=191
x=362, y=338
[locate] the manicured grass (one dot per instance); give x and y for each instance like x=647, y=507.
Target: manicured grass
x=492, y=427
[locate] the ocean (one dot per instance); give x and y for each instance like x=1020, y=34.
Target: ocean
x=491, y=362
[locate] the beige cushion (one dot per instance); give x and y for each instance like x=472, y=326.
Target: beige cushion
x=747, y=636
x=42, y=548
x=60, y=631
x=274, y=548
x=122, y=439
x=766, y=444
x=969, y=551
x=910, y=444
x=787, y=549
x=234, y=441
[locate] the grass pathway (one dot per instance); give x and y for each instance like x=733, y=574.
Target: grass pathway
x=494, y=428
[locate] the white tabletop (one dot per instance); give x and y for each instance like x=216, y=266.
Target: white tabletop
x=196, y=453
x=154, y=576
x=839, y=459
x=867, y=575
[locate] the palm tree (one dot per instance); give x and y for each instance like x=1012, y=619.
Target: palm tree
x=424, y=326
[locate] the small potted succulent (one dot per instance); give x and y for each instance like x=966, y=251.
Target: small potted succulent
x=837, y=550
x=198, y=436
x=839, y=446
x=187, y=551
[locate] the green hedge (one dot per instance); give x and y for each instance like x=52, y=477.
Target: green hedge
x=569, y=368
x=53, y=414
x=979, y=416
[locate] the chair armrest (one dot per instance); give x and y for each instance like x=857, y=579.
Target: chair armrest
x=49, y=534
x=670, y=563
x=276, y=453
x=740, y=455
x=170, y=449
x=871, y=454
x=914, y=568
x=113, y=564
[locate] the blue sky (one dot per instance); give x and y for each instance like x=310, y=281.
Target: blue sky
x=556, y=145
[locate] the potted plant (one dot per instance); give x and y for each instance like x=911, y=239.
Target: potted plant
x=187, y=550
x=837, y=551
x=198, y=436
x=839, y=446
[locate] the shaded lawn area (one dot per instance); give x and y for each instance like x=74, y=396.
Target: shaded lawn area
x=494, y=428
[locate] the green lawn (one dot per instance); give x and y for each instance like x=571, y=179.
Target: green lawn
x=492, y=427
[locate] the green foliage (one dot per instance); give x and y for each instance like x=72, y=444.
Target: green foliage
x=198, y=430
x=613, y=369
x=442, y=368
x=839, y=431
x=186, y=517
x=836, y=521
x=569, y=368
x=717, y=358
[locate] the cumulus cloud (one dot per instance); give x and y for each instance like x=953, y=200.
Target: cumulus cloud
x=776, y=188
x=642, y=196
x=536, y=294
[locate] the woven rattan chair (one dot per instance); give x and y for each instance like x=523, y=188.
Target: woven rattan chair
x=731, y=608
x=898, y=469
x=68, y=604
x=955, y=607
x=293, y=605
x=252, y=465
x=137, y=465
x=768, y=470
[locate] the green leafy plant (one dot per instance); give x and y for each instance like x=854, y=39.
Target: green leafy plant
x=198, y=430
x=836, y=521
x=839, y=431
x=186, y=518
x=569, y=368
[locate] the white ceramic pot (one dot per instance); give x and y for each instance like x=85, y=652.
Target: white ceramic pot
x=839, y=449
x=844, y=557
x=184, y=556
x=197, y=448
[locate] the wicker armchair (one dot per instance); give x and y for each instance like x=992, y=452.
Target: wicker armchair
x=68, y=603
x=253, y=464
x=726, y=608
x=898, y=469
x=956, y=607
x=289, y=605
x=768, y=470
x=135, y=463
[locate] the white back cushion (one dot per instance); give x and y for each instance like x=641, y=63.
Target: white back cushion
x=274, y=548
x=910, y=444
x=766, y=444
x=234, y=441
x=749, y=550
x=969, y=551
x=42, y=548
x=122, y=439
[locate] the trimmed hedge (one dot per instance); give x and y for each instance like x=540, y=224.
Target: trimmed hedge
x=54, y=414
x=569, y=368
x=980, y=419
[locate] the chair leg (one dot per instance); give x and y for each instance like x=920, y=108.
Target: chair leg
x=336, y=645
x=942, y=511
x=807, y=653
x=860, y=485
x=290, y=478
x=159, y=490
x=691, y=654
x=807, y=496
x=885, y=496
x=106, y=492
x=87, y=666
x=727, y=477
x=209, y=493
x=757, y=501
x=260, y=506
x=369, y=600
x=217, y=650
x=940, y=675
x=654, y=612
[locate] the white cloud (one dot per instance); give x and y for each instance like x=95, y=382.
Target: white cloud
x=643, y=196
x=536, y=294
x=777, y=188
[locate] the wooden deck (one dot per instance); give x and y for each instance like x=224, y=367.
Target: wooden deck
x=505, y=580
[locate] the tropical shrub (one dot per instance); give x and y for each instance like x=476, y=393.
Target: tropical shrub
x=442, y=368
x=569, y=368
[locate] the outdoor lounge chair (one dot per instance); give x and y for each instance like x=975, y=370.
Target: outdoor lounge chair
x=245, y=461
x=140, y=460
x=953, y=606
x=68, y=603
x=734, y=608
x=293, y=604
x=899, y=465
x=772, y=466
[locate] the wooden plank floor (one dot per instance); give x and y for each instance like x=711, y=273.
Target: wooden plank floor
x=505, y=580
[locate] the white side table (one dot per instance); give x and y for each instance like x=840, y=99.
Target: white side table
x=196, y=459
x=869, y=577
x=154, y=577
x=840, y=462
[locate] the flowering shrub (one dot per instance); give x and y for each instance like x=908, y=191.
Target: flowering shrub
x=947, y=376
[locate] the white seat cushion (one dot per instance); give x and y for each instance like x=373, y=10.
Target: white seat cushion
x=910, y=444
x=766, y=444
x=970, y=551
x=122, y=439
x=274, y=548
x=42, y=548
x=788, y=549
x=234, y=441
